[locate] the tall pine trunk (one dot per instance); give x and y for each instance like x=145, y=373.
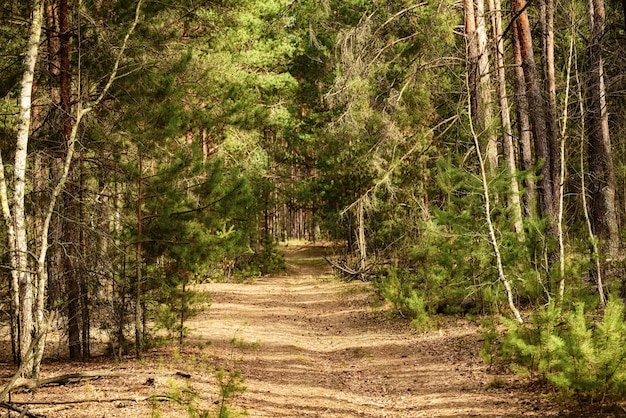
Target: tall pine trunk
x=601, y=171
x=546, y=24
x=472, y=55
x=479, y=78
x=536, y=112
x=523, y=128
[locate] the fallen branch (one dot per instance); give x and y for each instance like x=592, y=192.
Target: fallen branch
x=344, y=270
x=22, y=411
x=77, y=401
x=30, y=352
x=31, y=384
x=16, y=406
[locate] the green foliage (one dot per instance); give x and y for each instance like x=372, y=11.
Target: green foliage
x=188, y=398
x=450, y=260
x=269, y=260
x=397, y=288
x=578, y=354
x=230, y=384
x=176, y=305
x=490, y=337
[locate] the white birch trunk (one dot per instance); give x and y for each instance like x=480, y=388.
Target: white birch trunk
x=561, y=192
x=19, y=258
x=29, y=283
x=492, y=232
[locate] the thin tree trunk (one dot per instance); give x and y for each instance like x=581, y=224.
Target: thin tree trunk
x=561, y=193
x=507, y=134
x=64, y=80
x=23, y=299
x=82, y=252
x=139, y=279
x=485, y=117
x=70, y=255
x=536, y=112
x=361, y=242
x=183, y=307
x=472, y=55
x=595, y=248
x=72, y=294
x=524, y=130
x=546, y=23
x=492, y=233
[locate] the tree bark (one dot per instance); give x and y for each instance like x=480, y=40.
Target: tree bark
x=23, y=283
x=507, y=134
x=546, y=23
x=139, y=278
x=602, y=184
x=361, y=241
x=536, y=112
x=479, y=70
x=524, y=130
x=84, y=276
x=472, y=55
x=486, y=116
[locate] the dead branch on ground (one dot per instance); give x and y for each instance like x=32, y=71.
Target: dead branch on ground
x=30, y=384
x=342, y=269
x=22, y=411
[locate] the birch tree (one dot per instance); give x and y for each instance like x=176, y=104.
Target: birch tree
x=13, y=206
x=28, y=263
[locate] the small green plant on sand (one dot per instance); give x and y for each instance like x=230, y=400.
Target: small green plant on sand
x=230, y=383
x=490, y=335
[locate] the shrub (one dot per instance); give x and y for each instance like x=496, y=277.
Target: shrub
x=575, y=353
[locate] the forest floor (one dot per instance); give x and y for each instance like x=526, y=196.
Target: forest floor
x=307, y=345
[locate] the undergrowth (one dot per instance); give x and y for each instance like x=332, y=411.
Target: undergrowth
x=582, y=354
x=230, y=382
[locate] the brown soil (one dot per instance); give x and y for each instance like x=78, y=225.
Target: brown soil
x=308, y=345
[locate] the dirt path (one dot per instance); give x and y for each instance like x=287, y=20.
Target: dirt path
x=308, y=345
x=312, y=346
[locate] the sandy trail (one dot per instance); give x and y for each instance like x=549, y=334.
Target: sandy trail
x=313, y=346
x=308, y=345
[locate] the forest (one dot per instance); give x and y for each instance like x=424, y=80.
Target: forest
x=462, y=157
